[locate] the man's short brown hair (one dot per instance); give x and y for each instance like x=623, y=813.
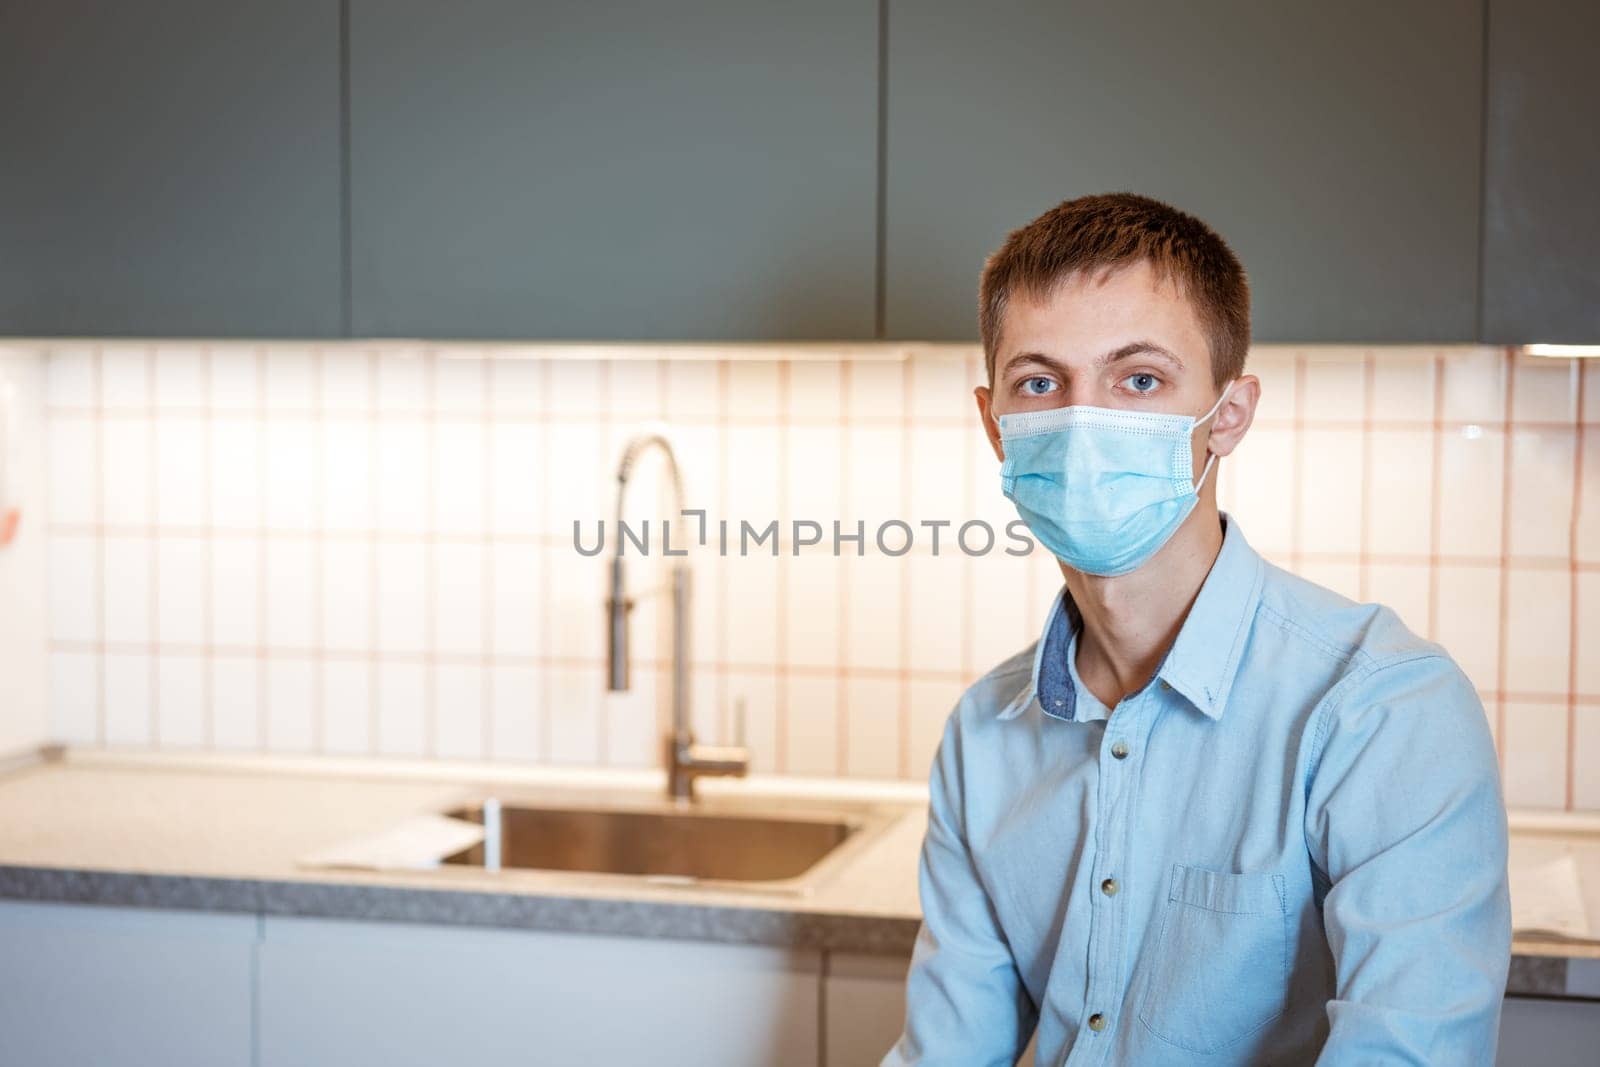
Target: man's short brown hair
x=1106, y=231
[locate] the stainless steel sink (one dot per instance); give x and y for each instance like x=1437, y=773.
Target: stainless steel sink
x=774, y=848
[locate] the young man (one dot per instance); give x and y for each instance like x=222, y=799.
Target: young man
x=1217, y=813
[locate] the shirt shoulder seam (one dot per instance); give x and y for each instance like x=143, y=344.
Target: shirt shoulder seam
x=1316, y=640
x=1001, y=676
x=1340, y=693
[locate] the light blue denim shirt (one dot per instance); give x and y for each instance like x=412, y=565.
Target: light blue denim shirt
x=1288, y=847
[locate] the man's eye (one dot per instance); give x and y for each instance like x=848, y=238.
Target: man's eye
x=1038, y=385
x=1142, y=383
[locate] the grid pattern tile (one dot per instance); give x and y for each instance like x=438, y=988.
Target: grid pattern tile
x=371, y=550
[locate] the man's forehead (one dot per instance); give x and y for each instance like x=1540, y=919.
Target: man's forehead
x=1142, y=310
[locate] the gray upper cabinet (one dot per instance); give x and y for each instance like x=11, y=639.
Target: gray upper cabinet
x=701, y=170
x=1336, y=146
x=1541, y=212
x=170, y=168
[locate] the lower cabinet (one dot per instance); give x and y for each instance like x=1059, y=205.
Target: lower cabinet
x=84, y=984
x=864, y=1009
x=336, y=991
x=1549, y=1032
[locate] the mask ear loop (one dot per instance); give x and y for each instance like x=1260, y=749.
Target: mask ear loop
x=1212, y=456
x=1205, y=471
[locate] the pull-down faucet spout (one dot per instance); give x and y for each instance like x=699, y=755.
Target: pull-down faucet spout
x=685, y=759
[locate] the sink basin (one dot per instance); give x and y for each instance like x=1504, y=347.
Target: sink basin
x=699, y=845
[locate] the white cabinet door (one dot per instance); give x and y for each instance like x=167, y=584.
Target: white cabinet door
x=85, y=984
x=337, y=991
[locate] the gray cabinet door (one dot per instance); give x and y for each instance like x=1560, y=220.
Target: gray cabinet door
x=1336, y=146
x=1541, y=221
x=695, y=170
x=333, y=991
x=137, y=987
x=170, y=168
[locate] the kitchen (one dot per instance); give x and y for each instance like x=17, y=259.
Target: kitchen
x=326, y=327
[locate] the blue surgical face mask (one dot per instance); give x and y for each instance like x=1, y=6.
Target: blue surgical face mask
x=1101, y=488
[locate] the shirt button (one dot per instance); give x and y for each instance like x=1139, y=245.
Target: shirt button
x=1109, y=887
x=1164, y=684
x=1097, y=1021
x=1119, y=750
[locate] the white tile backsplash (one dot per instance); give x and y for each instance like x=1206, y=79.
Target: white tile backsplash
x=459, y=699
x=1544, y=390
x=811, y=724
x=1331, y=490
x=127, y=698
x=70, y=446
x=1471, y=487
x=293, y=568
x=180, y=382
x=181, y=694
x=235, y=701
x=291, y=704
x=1473, y=385
x=369, y=549
x=1536, y=628
x=292, y=469
x=180, y=593
x=236, y=582
x=74, y=589
x=1468, y=620
x=125, y=378
x=402, y=709
x=872, y=722
x=1403, y=383
x=1535, y=753
x=459, y=597
x=1541, y=493
x=75, y=716
x=180, y=471
x=1334, y=385
x=125, y=463
x=235, y=373
x=1397, y=506
x=127, y=590
x=347, y=704
x=235, y=489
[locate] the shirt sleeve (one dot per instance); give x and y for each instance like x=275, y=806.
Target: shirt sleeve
x=1406, y=819
x=965, y=1001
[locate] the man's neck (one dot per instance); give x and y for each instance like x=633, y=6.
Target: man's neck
x=1131, y=620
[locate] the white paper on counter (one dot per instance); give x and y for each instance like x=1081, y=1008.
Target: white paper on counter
x=419, y=841
x=1547, y=898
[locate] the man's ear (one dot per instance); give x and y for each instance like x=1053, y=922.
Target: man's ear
x=1233, y=418
x=991, y=426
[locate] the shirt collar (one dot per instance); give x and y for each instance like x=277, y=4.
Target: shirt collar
x=1203, y=660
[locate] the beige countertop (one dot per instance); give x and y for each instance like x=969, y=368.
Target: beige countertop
x=222, y=832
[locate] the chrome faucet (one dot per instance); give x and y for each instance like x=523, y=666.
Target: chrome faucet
x=685, y=758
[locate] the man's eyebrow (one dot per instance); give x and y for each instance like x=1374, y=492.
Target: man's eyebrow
x=1132, y=348
x=1137, y=348
x=1032, y=357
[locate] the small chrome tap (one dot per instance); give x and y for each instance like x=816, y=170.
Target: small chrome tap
x=686, y=759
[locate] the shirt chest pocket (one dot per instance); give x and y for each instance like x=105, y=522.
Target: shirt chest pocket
x=1219, y=970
